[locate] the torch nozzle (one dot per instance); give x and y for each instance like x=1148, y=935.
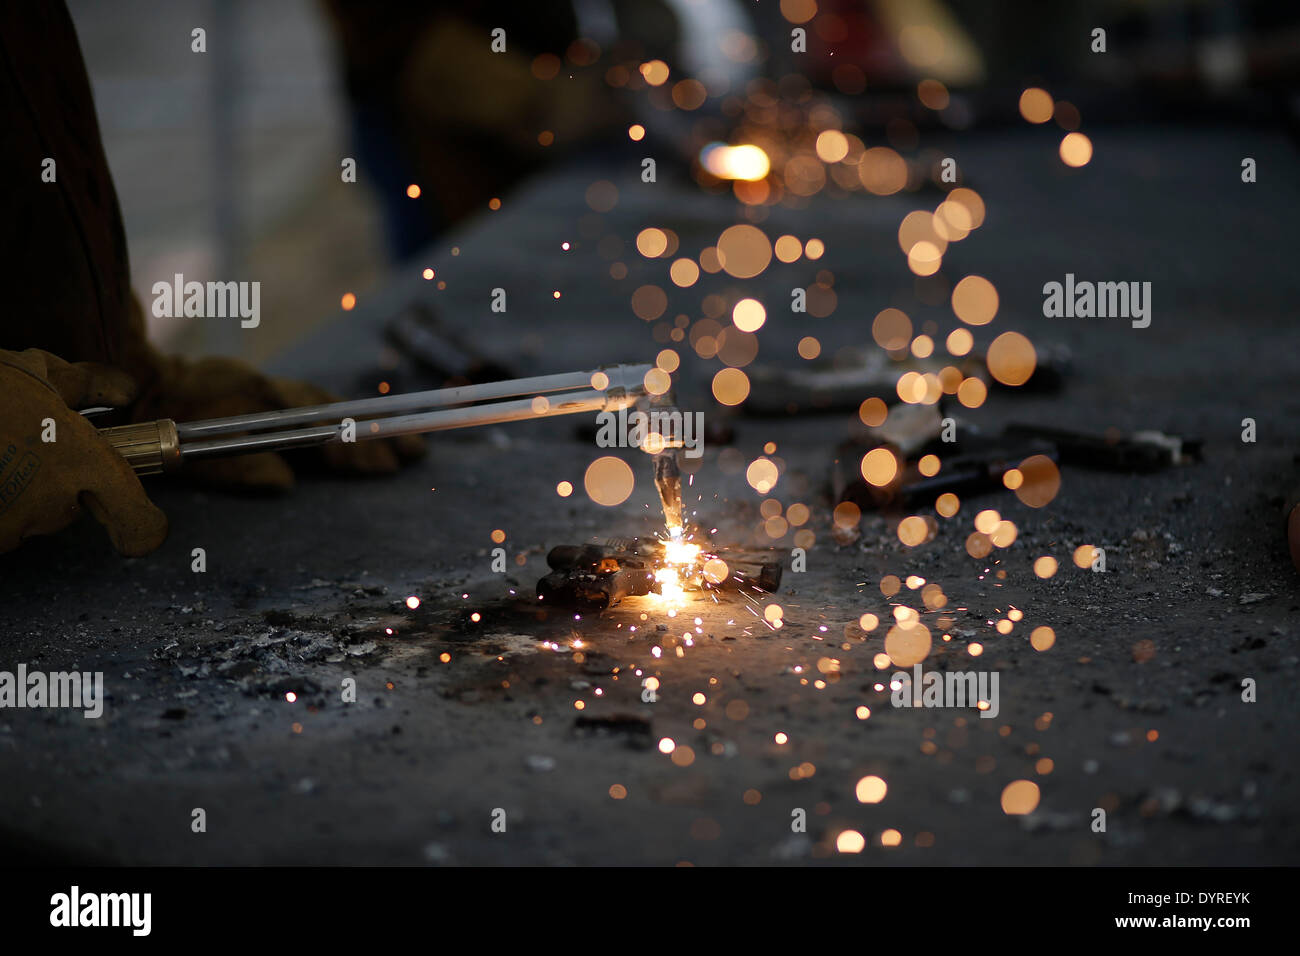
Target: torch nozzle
x=668, y=482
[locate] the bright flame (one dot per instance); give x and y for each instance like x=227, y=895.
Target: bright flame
x=748, y=163
x=680, y=552
x=680, y=558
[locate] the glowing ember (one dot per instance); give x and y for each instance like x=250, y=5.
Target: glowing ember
x=1020, y=797
x=850, y=841
x=871, y=789
x=1076, y=149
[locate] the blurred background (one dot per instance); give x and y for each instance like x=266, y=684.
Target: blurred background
x=227, y=164
x=812, y=171
x=229, y=158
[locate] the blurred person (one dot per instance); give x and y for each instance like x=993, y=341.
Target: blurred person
x=434, y=105
x=72, y=333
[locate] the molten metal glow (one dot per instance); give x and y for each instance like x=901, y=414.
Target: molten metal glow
x=680, y=561
x=670, y=584
x=680, y=552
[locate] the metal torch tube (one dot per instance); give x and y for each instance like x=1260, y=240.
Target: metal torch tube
x=626, y=377
x=432, y=421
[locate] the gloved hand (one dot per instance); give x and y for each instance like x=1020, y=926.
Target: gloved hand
x=220, y=387
x=44, y=485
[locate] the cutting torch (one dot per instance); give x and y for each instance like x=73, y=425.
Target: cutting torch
x=164, y=445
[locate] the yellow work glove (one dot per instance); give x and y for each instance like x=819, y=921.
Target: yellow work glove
x=53, y=463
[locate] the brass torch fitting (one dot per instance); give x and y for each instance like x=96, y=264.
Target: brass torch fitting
x=150, y=448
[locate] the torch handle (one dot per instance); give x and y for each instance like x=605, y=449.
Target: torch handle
x=150, y=448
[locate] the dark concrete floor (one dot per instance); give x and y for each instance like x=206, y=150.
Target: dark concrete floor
x=299, y=590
